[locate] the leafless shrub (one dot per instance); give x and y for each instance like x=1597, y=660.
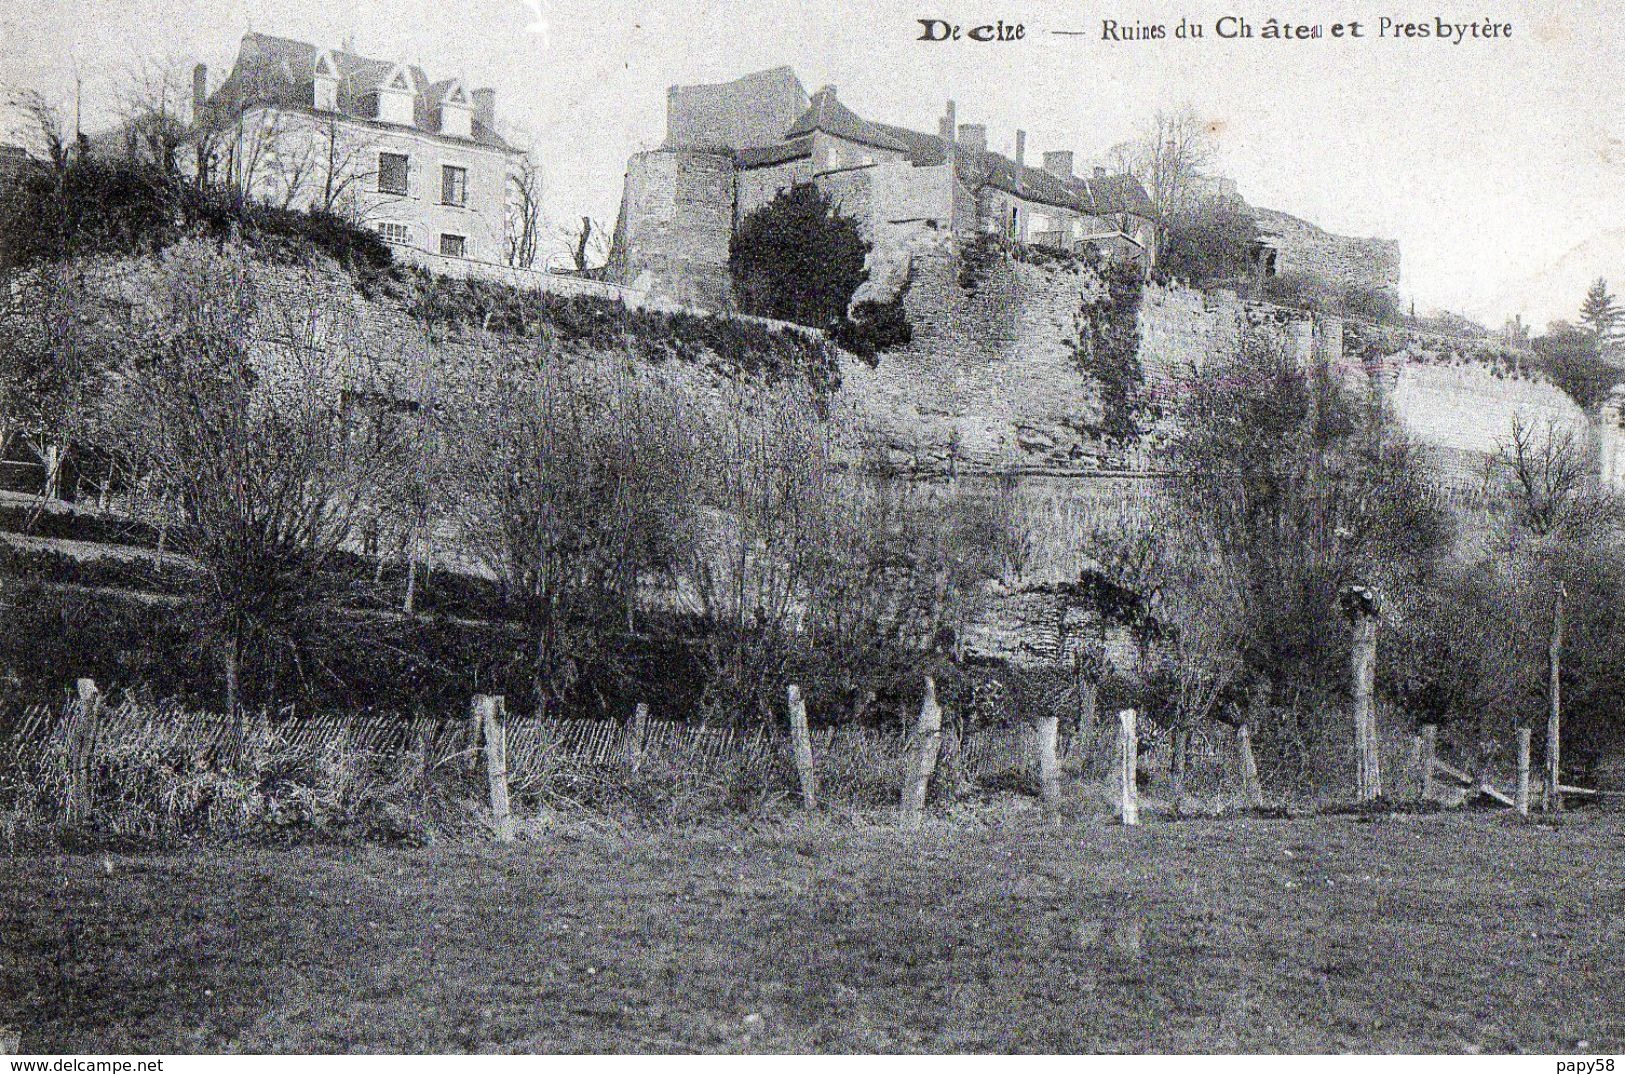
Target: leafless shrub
x=563, y=473
x=243, y=410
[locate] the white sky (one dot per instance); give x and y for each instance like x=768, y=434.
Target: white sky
x=1489, y=161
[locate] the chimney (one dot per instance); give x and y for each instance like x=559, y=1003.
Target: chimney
x=485, y=108
x=1021, y=148
x=945, y=125
x=973, y=137
x=1059, y=163
x=200, y=89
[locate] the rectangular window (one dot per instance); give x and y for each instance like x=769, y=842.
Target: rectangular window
x=453, y=185
x=454, y=245
x=396, y=234
x=393, y=169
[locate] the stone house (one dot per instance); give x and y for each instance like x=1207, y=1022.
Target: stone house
x=419, y=161
x=731, y=148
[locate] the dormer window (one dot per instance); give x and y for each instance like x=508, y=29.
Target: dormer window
x=456, y=111
x=397, y=97
x=325, y=84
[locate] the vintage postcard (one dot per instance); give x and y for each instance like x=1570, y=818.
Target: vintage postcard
x=722, y=526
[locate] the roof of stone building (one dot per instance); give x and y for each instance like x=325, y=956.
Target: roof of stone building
x=1095, y=196
x=764, y=156
x=281, y=71
x=829, y=115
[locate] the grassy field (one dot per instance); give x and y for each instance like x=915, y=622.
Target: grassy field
x=1460, y=932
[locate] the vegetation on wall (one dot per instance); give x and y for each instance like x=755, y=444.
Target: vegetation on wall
x=1302, y=290
x=1573, y=359
x=88, y=207
x=1107, y=348
x=873, y=327
x=1216, y=241
x=799, y=259
x=588, y=322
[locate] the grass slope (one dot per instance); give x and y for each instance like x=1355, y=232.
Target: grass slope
x=1450, y=933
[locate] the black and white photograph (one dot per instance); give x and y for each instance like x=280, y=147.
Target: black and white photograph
x=879, y=527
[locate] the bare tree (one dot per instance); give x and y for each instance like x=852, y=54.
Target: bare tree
x=44, y=129
x=1551, y=481
x=154, y=107
x=759, y=474
x=522, y=219
x=560, y=472
x=55, y=347
x=585, y=245
x=1169, y=158
x=239, y=410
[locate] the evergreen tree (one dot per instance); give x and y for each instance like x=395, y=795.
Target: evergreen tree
x=797, y=259
x=1601, y=313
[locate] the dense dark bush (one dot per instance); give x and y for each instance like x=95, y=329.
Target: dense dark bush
x=1573, y=359
x=1217, y=242
x=98, y=207
x=797, y=258
x=602, y=324
x=873, y=327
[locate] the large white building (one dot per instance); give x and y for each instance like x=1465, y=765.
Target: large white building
x=310, y=128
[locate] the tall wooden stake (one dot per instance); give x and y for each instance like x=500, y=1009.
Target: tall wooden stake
x=82, y=749
x=493, y=719
x=1552, y=797
x=1251, y=789
x=1523, y=772
x=1368, y=760
x=1430, y=750
x=801, y=744
x=922, y=757
x=1049, y=770
x=1128, y=753
x=634, y=738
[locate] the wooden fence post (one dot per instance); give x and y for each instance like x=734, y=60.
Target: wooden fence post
x=1552, y=796
x=493, y=720
x=801, y=746
x=922, y=757
x=1088, y=706
x=634, y=740
x=81, y=746
x=1049, y=772
x=1128, y=753
x=1523, y=772
x=1430, y=753
x=1252, y=791
x=1368, y=755
x=476, y=717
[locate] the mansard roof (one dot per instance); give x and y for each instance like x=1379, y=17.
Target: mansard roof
x=281, y=71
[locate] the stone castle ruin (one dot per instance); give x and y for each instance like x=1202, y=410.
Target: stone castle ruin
x=731, y=148
x=993, y=382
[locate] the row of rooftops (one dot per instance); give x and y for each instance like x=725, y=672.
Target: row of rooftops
x=283, y=72
x=1052, y=184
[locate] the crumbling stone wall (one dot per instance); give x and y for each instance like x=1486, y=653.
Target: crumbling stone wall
x=755, y=110
x=989, y=381
x=676, y=221
x=755, y=187
x=1349, y=262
